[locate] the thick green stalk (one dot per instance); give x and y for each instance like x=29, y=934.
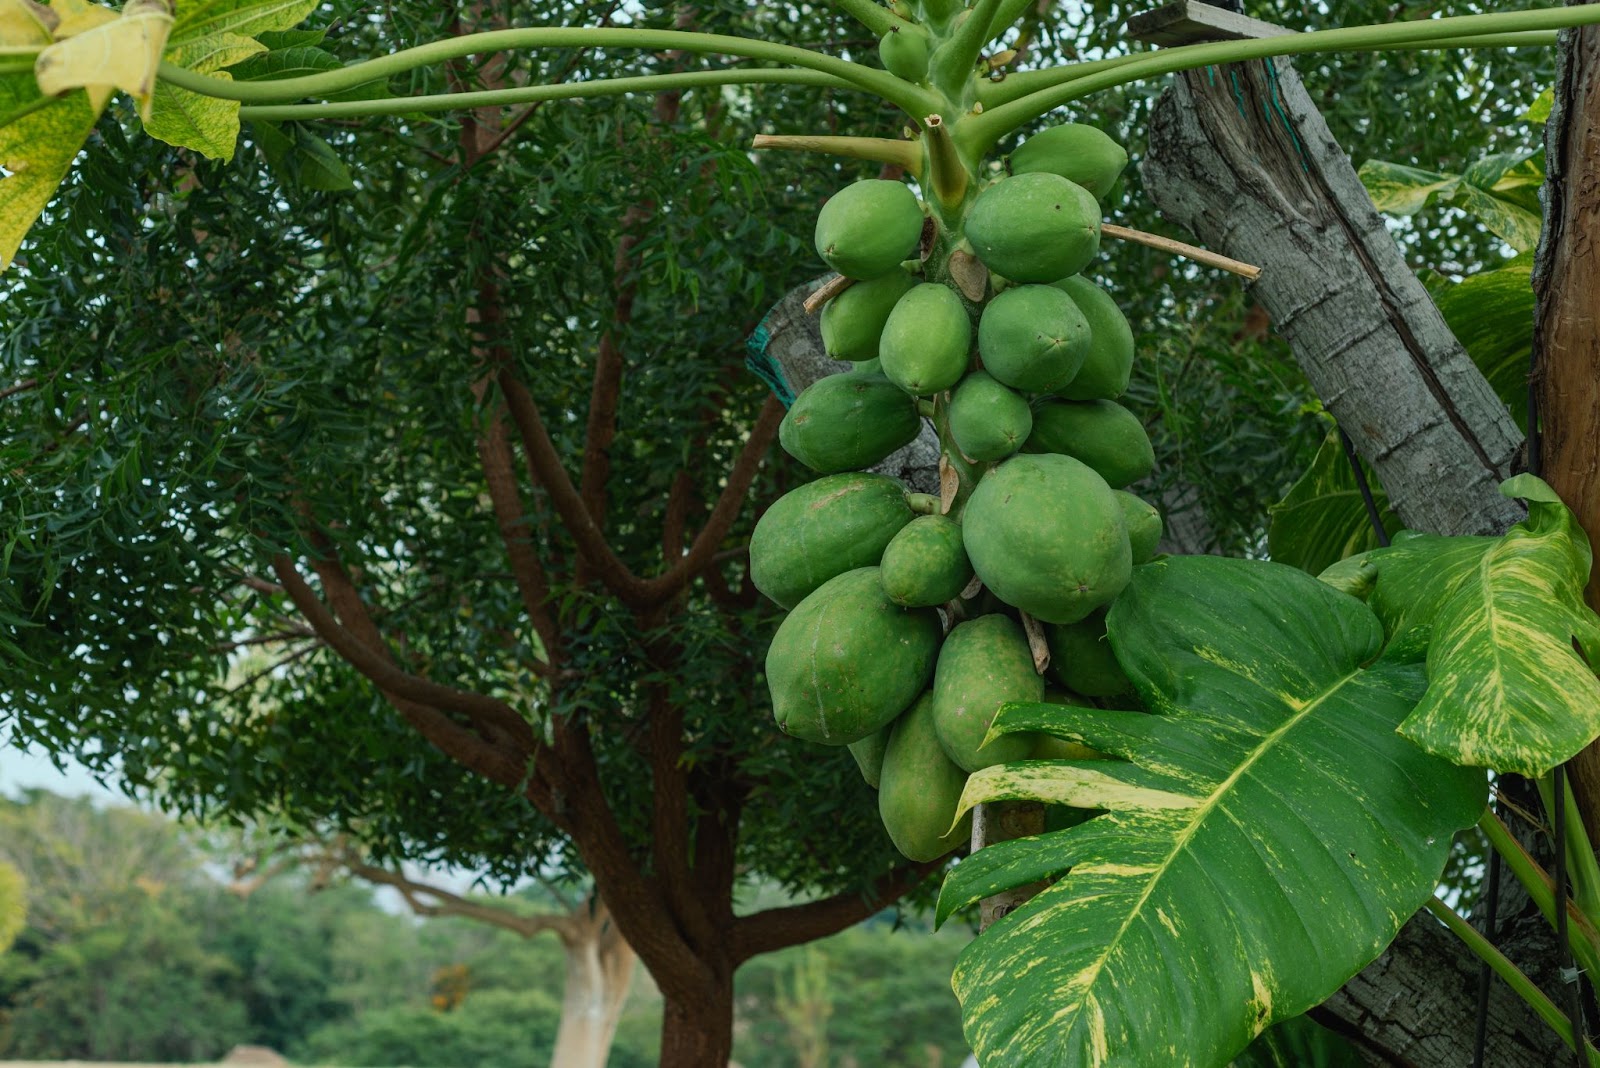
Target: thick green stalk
x=979, y=133
x=880, y=20
x=951, y=65
x=1581, y=934
x=1007, y=15
x=654, y=83
x=877, y=149
x=948, y=173
x=1018, y=85
x=915, y=101
x=1513, y=976
x=1585, y=875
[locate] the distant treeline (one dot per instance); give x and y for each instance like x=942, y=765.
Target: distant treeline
x=133, y=950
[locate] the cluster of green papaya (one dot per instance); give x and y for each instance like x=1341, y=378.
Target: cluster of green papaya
x=906, y=632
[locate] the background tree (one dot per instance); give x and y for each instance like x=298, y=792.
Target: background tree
x=440, y=438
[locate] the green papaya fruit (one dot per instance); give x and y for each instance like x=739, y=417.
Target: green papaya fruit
x=848, y=421
x=853, y=321
x=868, y=754
x=1108, y=360
x=865, y=230
x=825, y=528
x=983, y=664
x=925, y=563
x=904, y=51
x=1033, y=338
x=1144, y=525
x=1102, y=434
x=927, y=340
x=920, y=789
x=987, y=420
x=1034, y=227
x=1046, y=534
x=1076, y=152
x=848, y=660
x=1082, y=660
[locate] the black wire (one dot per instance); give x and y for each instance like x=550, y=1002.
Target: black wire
x=1366, y=491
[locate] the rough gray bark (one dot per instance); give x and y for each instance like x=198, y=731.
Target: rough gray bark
x=1240, y=157
x=792, y=342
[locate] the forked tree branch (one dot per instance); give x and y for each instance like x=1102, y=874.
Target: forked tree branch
x=774, y=929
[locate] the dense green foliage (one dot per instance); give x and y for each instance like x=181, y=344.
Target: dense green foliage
x=133, y=952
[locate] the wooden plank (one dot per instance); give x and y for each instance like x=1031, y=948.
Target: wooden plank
x=1188, y=22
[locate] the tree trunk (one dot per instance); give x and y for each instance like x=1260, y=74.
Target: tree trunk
x=697, y=1024
x=1566, y=284
x=1240, y=157
x=600, y=966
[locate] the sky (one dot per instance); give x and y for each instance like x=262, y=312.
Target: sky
x=22, y=769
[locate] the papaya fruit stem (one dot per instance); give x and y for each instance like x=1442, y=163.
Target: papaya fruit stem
x=948, y=173
x=877, y=149
x=1247, y=271
x=880, y=20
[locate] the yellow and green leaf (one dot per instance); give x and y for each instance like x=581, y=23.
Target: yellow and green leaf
x=121, y=53
x=1265, y=831
x=1506, y=687
x=36, y=151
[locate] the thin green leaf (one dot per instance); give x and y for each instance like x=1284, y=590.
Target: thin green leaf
x=1323, y=519
x=1269, y=831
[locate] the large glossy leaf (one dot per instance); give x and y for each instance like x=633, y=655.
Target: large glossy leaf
x=1497, y=190
x=1266, y=831
x=1491, y=314
x=1323, y=519
x=1506, y=689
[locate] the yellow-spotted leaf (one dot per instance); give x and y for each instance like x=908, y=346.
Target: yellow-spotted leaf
x=76, y=16
x=190, y=120
x=25, y=24
x=1264, y=834
x=207, y=36
x=1506, y=689
x=122, y=53
x=36, y=151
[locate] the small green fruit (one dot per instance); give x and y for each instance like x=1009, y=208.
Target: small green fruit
x=1033, y=338
x=988, y=420
x=1035, y=227
x=865, y=230
x=927, y=340
x=1079, y=153
x=904, y=51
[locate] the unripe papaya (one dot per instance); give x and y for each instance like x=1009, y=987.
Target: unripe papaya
x=825, y=528
x=1035, y=227
x=848, y=421
x=1033, y=338
x=1082, y=660
x=925, y=563
x=984, y=663
x=1046, y=534
x=1144, y=525
x=1076, y=152
x=853, y=321
x=848, y=660
x=904, y=51
x=868, y=754
x=1108, y=360
x=920, y=789
x=1102, y=434
x=866, y=229
x=987, y=420
x=925, y=344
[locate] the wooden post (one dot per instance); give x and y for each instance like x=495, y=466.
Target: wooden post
x=1240, y=157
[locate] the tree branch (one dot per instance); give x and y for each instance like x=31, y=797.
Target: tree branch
x=445, y=903
x=773, y=929
x=418, y=699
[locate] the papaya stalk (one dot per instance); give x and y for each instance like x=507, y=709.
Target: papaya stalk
x=944, y=167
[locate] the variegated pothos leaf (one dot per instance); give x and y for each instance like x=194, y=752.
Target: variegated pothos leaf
x=1506, y=689
x=1267, y=832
